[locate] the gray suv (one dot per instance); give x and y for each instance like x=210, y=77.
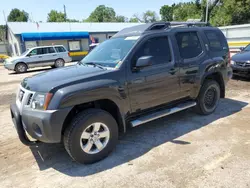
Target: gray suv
x=54, y=56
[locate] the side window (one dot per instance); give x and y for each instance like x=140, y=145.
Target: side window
x=37, y=51
x=45, y=50
x=33, y=52
x=60, y=49
x=189, y=44
x=157, y=47
x=215, y=41
x=51, y=50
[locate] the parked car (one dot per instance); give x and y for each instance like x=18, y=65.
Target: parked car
x=141, y=74
x=241, y=62
x=3, y=57
x=54, y=56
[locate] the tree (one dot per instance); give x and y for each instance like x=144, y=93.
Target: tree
x=134, y=20
x=185, y=11
x=56, y=16
x=17, y=15
x=102, y=14
x=211, y=6
x=121, y=19
x=149, y=16
x=146, y=17
x=2, y=32
x=72, y=20
x=166, y=12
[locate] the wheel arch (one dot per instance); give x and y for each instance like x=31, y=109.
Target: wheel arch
x=217, y=76
x=104, y=104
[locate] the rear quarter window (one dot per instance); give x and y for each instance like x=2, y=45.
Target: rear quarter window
x=216, y=41
x=60, y=49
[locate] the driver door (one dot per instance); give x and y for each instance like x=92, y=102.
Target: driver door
x=156, y=84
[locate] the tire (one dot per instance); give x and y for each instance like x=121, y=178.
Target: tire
x=21, y=68
x=59, y=63
x=208, y=98
x=79, y=145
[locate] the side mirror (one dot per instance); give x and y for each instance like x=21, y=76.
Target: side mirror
x=143, y=62
x=242, y=48
x=28, y=55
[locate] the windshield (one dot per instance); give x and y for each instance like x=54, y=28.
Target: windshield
x=110, y=52
x=247, y=48
x=24, y=53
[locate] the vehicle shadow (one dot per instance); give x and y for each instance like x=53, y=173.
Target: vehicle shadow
x=32, y=70
x=241, y=78
x=137, y=141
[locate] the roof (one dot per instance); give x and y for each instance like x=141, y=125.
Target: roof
x=32, y=27
x=156, y=27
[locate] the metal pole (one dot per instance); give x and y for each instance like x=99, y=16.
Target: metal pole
x=207, y=10
x=65, y=14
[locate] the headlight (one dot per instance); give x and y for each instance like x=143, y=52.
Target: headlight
x=232, y=62
x=41, y=101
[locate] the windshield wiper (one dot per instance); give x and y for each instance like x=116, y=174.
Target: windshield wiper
x=94, y=64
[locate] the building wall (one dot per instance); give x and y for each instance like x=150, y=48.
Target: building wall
x=3, y=48
x=14, y=45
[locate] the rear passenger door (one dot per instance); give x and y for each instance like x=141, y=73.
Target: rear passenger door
x=191, y=54
x=49, y=56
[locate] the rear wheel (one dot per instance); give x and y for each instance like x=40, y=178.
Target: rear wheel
x=59, y=63
x=21, y=68
x=208, y=98
x=91, y=136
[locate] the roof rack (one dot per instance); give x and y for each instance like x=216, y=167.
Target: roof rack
x=166, y=25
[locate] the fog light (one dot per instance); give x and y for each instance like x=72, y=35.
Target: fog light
x=37, y=129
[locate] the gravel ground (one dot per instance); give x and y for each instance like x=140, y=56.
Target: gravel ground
x=181, y=150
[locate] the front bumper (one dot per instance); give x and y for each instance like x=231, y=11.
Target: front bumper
x=44, y=126
x=242, y=71
x=9, y=66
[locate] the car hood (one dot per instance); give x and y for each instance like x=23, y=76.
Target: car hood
x=46, y=81
x=13, y=58
x=242, y=56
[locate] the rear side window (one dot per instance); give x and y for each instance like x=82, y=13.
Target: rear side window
x=216, y=41
x=48, y=50
x=60, y=49
x=158, y=47
x=189, y=44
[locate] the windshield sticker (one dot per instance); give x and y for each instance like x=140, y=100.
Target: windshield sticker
x=132, y=38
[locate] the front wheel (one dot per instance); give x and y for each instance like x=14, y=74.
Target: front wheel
x=21, y=68
x=208, y=98
x=91, y=136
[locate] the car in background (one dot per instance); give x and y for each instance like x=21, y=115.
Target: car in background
x=240, y=62
x=3, y=57
x=54, y=56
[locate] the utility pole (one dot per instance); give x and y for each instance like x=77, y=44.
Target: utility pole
x=65, y=14
x=207, y=10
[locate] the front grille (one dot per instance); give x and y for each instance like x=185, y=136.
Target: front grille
x=29, y=99
x=243, y=64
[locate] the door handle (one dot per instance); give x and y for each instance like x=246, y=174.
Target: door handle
x=172, y=71
x=40, y=56
x=54, y=55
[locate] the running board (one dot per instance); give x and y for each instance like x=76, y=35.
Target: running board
x=162, y=113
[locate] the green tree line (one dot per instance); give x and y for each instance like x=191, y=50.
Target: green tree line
x=220, y=13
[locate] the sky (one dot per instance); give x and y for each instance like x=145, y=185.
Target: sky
x=80, y=9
